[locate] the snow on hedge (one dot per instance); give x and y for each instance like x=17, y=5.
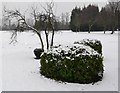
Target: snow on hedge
x=73, y=49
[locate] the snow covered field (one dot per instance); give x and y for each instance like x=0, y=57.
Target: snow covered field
x=20, y=71
x=0, y=63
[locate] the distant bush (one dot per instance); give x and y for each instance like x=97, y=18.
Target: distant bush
x=76, y=64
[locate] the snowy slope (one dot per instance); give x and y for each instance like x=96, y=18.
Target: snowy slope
x=20, y=71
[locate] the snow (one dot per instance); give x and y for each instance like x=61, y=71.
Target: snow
x=20, y=71
x=0, y=63
x=88, y=50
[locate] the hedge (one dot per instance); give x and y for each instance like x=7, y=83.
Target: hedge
x=93, y=43
x=76, y=64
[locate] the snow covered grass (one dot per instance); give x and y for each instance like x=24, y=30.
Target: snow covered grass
x=0, y=63
x=20, y=71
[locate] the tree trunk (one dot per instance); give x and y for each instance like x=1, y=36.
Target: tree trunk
x=53, y=32
x=113, y=30
x=104, y=29
x=41, y=40
x=89, y=29
x=79, y=28
x=38, y=33
x=46, y=34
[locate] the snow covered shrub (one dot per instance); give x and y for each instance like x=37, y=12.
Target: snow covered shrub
x=93, y=43
x=38, y=52
x=77, y=64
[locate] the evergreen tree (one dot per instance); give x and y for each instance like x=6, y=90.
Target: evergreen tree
x=75, y=19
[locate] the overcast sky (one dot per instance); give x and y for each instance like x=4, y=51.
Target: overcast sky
x=54, y=0
x=61, y=6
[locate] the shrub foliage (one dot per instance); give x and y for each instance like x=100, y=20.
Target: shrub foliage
x=95, y=44
x=76, y=64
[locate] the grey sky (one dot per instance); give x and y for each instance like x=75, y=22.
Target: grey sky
x=54, y=0
x=60, y=7
x=0, y=13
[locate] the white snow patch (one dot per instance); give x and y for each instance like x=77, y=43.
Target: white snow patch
x=76, y=47
x=0, y=62
x=20, y=71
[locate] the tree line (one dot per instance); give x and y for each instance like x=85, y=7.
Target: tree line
x=90, y=18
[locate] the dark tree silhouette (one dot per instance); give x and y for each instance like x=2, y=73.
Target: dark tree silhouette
x=113, y=7
x=85, y=18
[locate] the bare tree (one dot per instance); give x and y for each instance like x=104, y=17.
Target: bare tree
x=49, y=23
x=22, y=22
x=67, y=17
x=48, y=18
x=64, y=21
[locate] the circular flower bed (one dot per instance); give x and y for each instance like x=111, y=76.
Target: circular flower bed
x=77, y=64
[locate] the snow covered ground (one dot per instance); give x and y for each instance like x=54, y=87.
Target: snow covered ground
x=20, y=71
x=0, y=62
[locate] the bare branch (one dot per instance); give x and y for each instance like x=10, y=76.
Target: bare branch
x=21, y=24
x=48, y=20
